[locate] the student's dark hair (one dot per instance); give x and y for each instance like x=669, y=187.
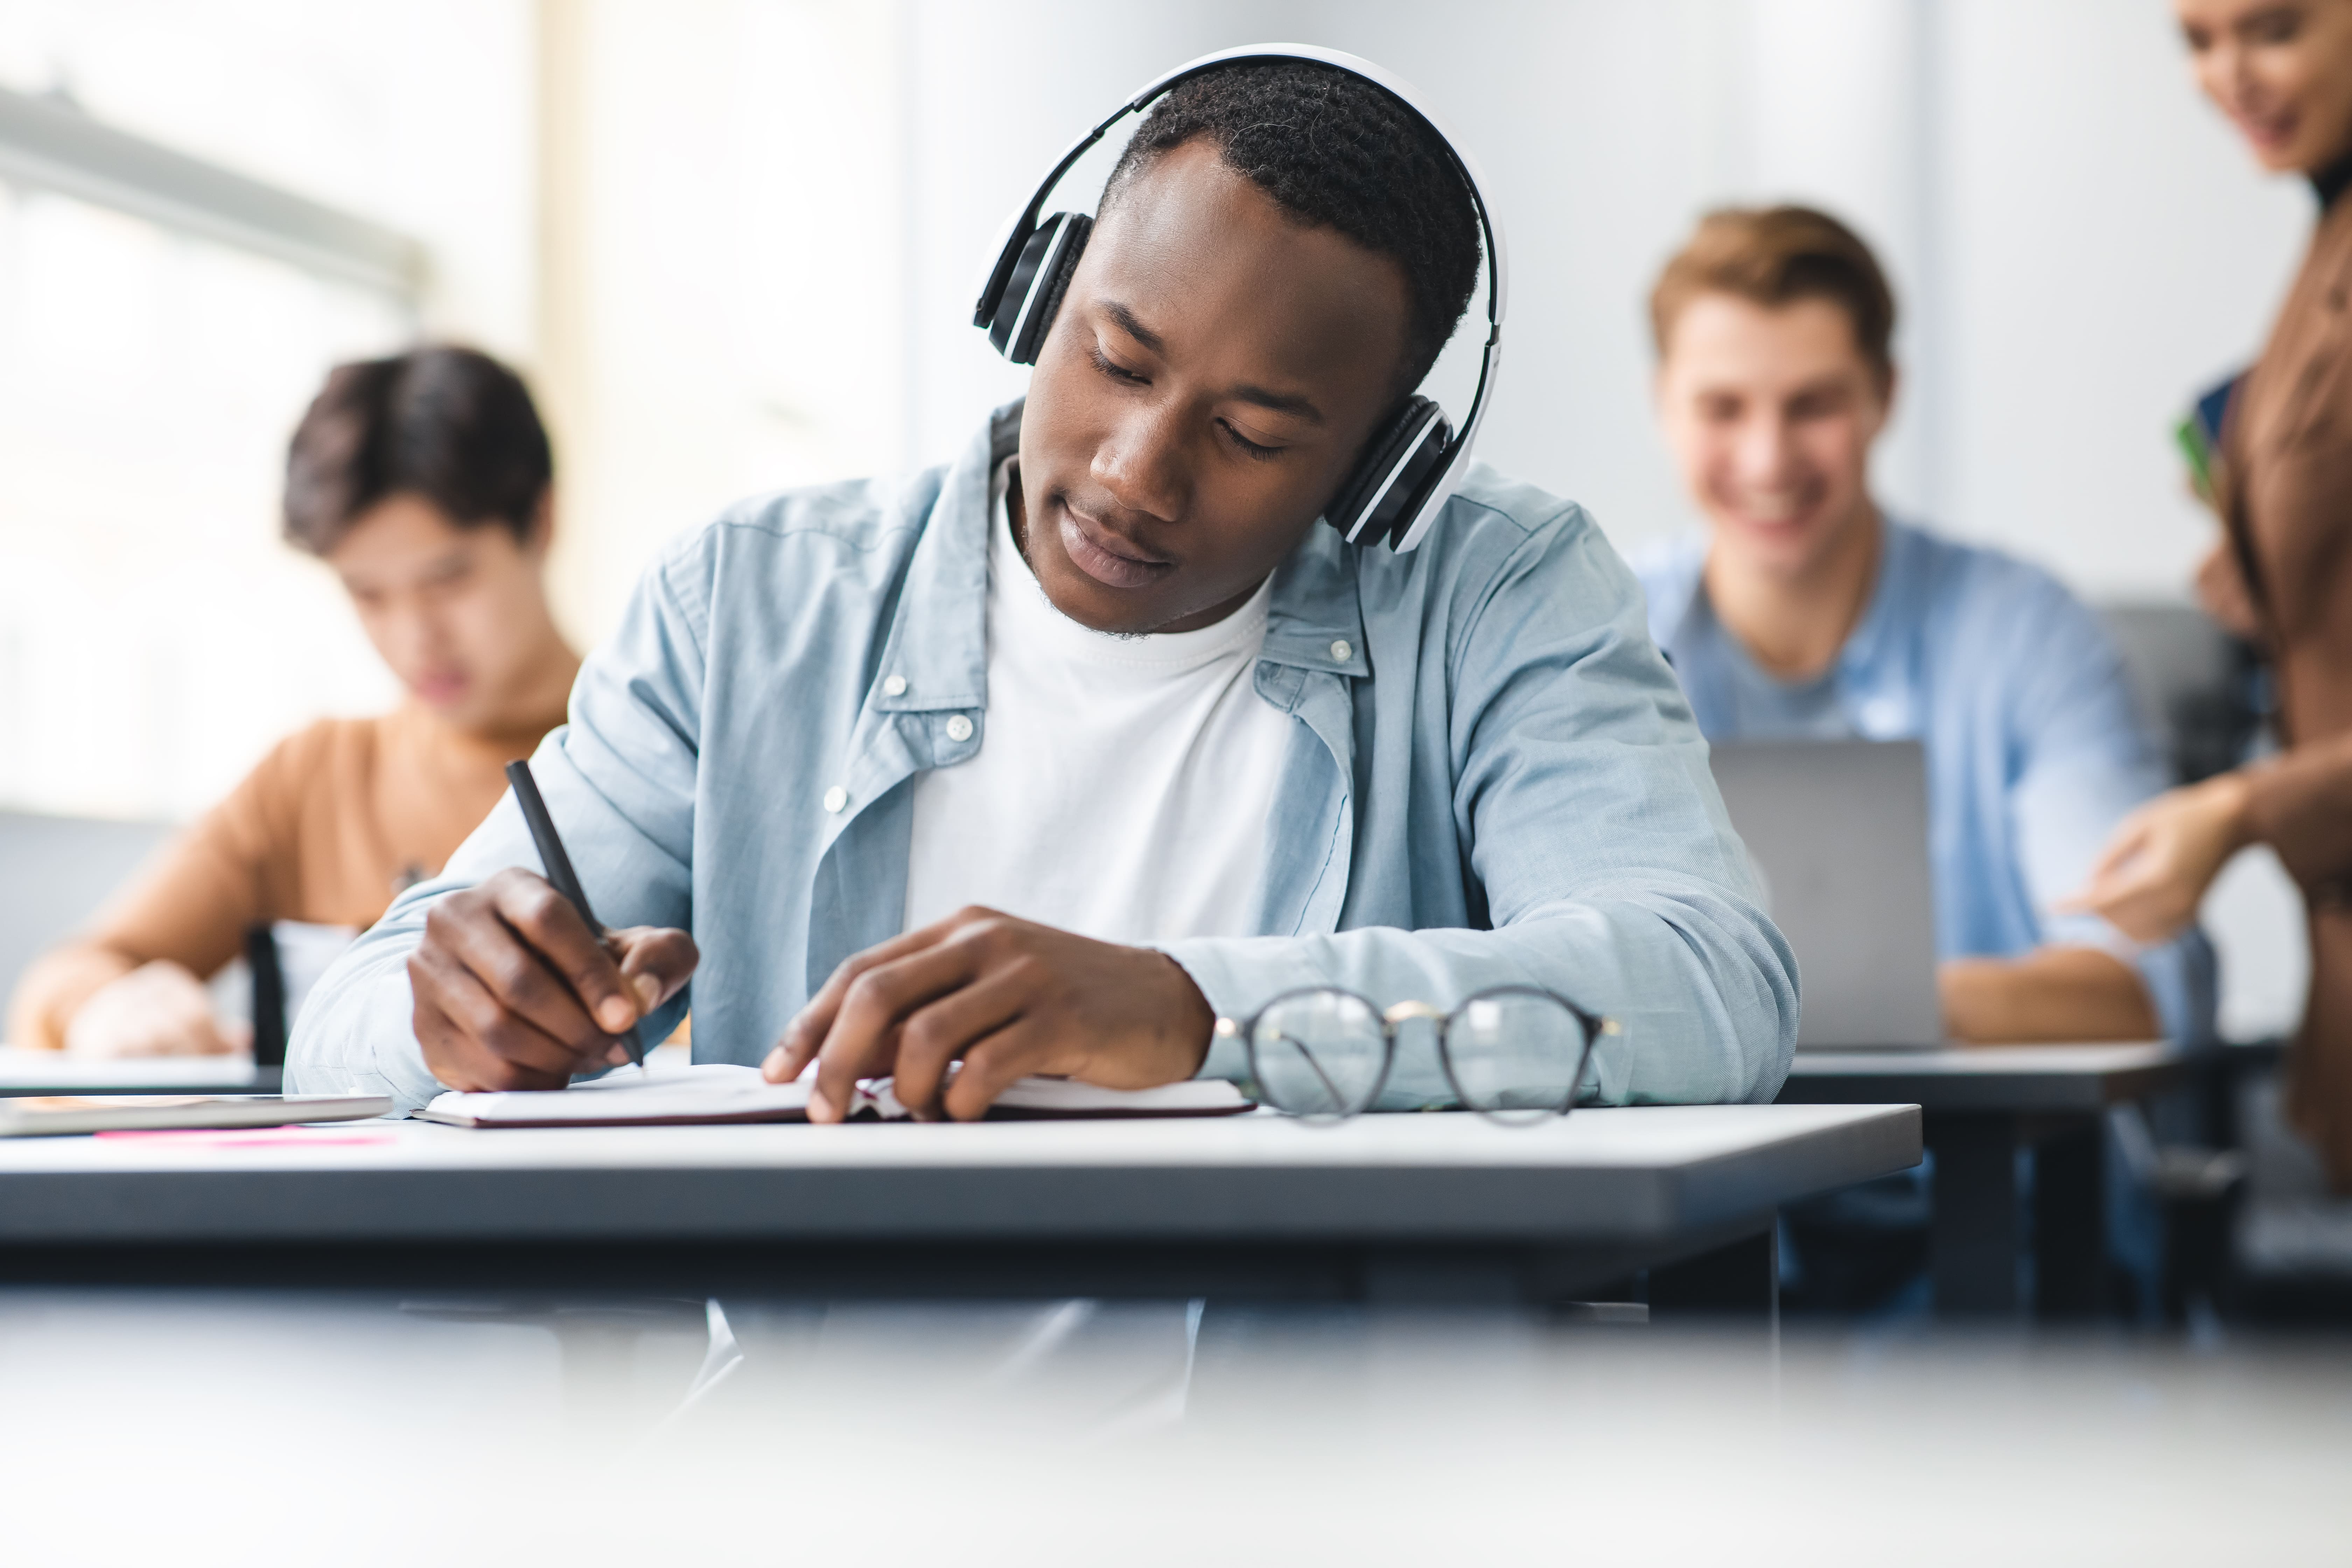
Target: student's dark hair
x=1334, y=149
x=1776, y=255
x=450, y=425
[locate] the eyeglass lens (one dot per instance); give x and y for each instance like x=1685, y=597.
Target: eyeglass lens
x=1320, y=1054
x=1516, y=1052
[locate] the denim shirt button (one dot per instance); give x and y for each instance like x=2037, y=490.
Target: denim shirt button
x=894, y=687
x=959, y=727
x=1341, y=651
x=835, y=798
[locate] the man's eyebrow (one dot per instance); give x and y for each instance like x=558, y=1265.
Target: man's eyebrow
x=1134, y=328
x=1278, y=402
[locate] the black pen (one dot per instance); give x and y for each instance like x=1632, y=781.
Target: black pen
x=559, y=872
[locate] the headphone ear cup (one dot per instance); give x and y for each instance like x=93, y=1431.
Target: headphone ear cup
x=1034, y=292
x=1384, y=491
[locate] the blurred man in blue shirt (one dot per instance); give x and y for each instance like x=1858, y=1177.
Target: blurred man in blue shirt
x=1805, y=611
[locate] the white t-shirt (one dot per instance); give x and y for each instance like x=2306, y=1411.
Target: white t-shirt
x=1122, y=785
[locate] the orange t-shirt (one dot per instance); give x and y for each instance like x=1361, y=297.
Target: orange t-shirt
x=334, y=822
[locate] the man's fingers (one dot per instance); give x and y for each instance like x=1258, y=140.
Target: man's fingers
x=480, y=1016
x=990, y=1067
x=510, y=972
x=655, y=962
x=545, y=920
x=936, y=1033
x=462, y=1063
x=864, y=1039
x=806, y=1033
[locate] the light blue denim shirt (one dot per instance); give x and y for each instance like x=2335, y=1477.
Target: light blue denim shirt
x=2034, y=749
x=1494, y=779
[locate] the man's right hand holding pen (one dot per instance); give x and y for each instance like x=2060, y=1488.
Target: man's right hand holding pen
x=513, y=990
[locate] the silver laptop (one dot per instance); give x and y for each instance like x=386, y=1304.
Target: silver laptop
x=1838, y=831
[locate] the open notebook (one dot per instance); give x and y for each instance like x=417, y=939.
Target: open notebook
x=718, y=1092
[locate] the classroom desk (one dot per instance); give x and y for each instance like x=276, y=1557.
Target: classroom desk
x=1981, y=1105
x=1404, y=1207
x=27, y=1072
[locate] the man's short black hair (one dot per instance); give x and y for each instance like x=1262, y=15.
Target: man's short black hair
x=1332, y=149
x=451, y=425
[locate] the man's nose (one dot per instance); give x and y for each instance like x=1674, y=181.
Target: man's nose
x=1145, y=463
x=1765, y=451
x=419, y=634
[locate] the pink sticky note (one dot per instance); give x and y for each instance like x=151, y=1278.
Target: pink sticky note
x=249, y=1137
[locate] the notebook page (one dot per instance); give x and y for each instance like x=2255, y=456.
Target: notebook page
x=712, y=1091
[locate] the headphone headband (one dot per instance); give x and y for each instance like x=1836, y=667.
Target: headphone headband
x=1404, y=532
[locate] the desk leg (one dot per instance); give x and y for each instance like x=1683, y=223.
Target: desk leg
x=1742, y=1278
x=1972, y=1245
x=2070, y=1224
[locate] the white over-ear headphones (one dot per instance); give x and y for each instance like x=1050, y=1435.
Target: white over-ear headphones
x=1415, y=460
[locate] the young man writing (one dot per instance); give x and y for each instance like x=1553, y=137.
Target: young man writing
x=1805, y=612
x=1044, y=762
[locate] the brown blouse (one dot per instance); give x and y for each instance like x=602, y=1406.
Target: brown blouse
x=2288, y=473
x=333, y=821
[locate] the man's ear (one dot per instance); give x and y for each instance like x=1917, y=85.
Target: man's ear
x=540, y=536
x=1886, y=383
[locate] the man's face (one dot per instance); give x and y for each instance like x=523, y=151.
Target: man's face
x=1215, y=368
x=459, y=614
x=1771, y=413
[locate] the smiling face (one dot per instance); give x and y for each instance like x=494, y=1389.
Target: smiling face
x=2282, y=71
x=1214, y=370
x=1771, y=411
x=459, y=614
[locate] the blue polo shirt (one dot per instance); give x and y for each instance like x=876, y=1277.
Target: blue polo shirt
x=2034, y=751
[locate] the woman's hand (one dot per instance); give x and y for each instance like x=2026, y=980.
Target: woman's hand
x=2155, y=870
x=159, y=1009
x=1006, y=997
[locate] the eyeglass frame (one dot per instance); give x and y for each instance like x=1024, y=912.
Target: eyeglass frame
x=1393, y=1020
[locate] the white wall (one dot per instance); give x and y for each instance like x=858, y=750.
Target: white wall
x=723, y=265
x=154, y=633
x=2107, y=250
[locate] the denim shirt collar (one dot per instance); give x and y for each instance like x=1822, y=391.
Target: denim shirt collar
x=939, y=638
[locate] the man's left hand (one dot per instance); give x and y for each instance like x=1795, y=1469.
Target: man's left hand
x=1007, y=997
